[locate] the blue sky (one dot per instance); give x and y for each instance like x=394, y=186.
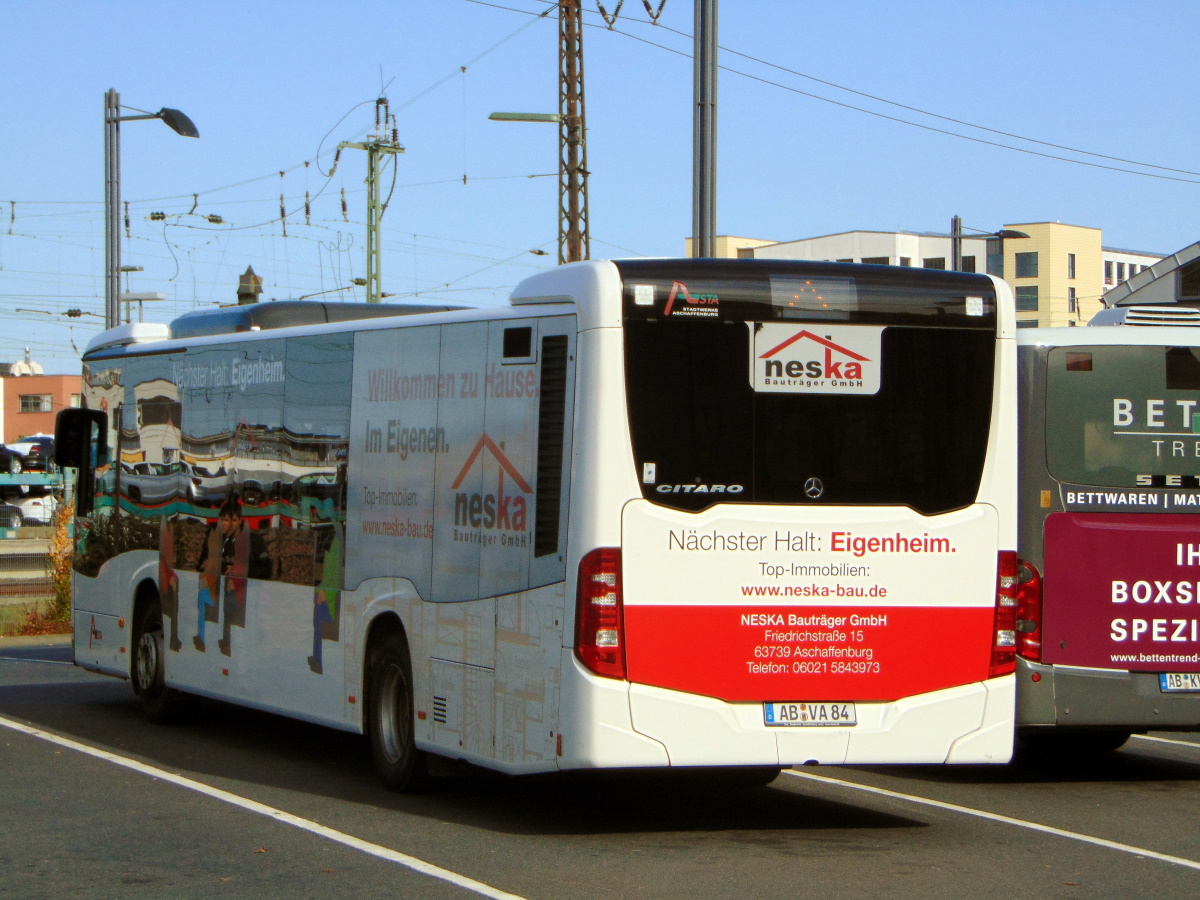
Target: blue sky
x=268, y=85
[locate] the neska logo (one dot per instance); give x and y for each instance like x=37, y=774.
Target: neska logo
x=498, y=511
x=838, y=361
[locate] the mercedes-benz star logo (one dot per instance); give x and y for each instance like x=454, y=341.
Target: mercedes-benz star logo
x=813, y=488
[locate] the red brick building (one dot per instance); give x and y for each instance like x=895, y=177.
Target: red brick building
x=29, y=403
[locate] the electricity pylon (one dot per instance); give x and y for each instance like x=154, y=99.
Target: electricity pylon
x=573, y=241
x=386, y=141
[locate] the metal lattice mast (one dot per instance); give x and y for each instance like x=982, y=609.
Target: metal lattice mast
x=573, y=241
x=374, y=218
x=386, y=141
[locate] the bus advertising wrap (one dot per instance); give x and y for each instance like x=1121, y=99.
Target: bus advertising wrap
x=752, y=607
x=1122, y=591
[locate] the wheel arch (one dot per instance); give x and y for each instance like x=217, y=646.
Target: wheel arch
x=380, y=628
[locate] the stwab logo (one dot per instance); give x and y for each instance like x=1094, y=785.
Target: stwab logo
x=833, y=359
x=703, y=305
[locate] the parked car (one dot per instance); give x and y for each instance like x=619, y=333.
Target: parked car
x=10, y=516
x=37, y=452
x=36, y=510
x=204, y=486
x=11, y=461
x=149, y=483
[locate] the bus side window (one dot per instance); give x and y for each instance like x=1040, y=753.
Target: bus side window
x=518, y=344
x=1183, y=369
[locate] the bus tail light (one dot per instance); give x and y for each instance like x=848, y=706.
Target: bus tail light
x=599, y=616
x=1029, y=612
x=1004, y=641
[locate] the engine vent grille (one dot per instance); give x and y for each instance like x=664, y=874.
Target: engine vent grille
x=1162, y=315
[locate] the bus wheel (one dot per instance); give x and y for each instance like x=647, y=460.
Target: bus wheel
x=390, y=719
x=159, y=702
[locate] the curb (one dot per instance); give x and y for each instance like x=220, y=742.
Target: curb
x=37, y=640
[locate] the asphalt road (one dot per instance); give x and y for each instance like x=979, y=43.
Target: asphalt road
x=95, y=802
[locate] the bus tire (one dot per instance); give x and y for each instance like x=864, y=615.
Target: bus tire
x=160, y=703
x=390, y=719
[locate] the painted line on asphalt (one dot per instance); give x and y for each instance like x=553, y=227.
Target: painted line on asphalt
x=996, y=817
x=1174, y=743
x=25, y=659
x=384, y=853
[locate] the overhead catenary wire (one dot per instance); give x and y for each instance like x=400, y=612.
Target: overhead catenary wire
x=925, y=112
x=283, y=214
x=885, y=116
x=303, y=261
x=457, y=72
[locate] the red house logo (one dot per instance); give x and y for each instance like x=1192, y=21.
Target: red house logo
x=498, y=510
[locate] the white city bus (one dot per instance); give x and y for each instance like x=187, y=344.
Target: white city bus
x=1109, y=536
x=669, y=513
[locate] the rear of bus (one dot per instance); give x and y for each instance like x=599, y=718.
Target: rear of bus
x=1109, y=535
x=802, y=546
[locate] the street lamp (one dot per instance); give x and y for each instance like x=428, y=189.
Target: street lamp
x=564, y=250
x=573, y=239
x=554, y=118
x=956, y=238
x=177, y=122
x=140, y=298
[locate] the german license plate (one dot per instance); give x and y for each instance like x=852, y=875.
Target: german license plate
x=808, y=713
x=1179, y=681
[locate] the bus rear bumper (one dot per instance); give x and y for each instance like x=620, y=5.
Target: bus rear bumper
x=968, y=724
x=1076, y=697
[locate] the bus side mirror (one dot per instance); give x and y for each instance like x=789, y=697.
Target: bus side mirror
x=80, y=443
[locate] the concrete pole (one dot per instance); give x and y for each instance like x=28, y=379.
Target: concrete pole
x=704, y=131
x=112, y=209
x=956, y=244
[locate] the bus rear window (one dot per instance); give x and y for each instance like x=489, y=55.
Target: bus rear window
x=1130, y=418
x=850, y=396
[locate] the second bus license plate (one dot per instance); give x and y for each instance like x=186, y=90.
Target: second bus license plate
x=802, y=713
x=1179, y=681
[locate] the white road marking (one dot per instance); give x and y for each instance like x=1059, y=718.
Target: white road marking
x=1006, y=820
x=24, y=659
x=384, y=853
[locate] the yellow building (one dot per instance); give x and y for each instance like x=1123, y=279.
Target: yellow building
x=1056, y=273
x=730, y=247
x=1060, y=272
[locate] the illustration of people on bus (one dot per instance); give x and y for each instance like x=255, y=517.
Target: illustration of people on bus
x=210, y=574
x=326, y=598
x=168, y=581
x=239, y=553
